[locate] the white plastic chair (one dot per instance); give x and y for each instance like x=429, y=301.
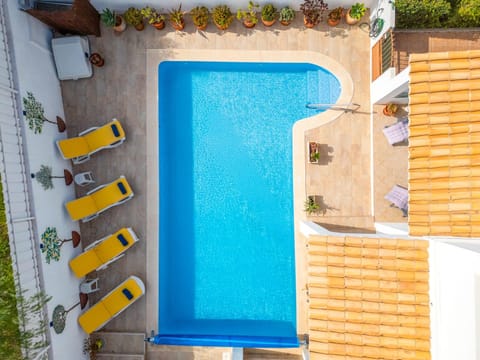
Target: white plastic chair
x=89, y=286
x=84, y=178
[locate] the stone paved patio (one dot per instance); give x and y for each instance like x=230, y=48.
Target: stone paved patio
x=119, y=90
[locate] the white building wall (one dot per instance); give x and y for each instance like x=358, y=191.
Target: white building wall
x=234, y=4
x=385, y=10
x=384, y=89
x=455, y=299
x=388, y=86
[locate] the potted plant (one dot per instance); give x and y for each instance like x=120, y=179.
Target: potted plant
x=269, y=15
x=35, y=115
x=111, y=19
x=200, y=16
x=313, y=152
x=133, y=16
x=222, y=17
x=153, y=17
x=355, y=13
x=177, y=18
x=335, y=16
x=92, y=346
x=286, y=16
x=390, y=109
x=249, y=17
x=96, y=59
x=311, y=206
x=312, y=12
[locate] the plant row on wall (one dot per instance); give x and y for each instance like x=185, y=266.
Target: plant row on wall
x=222, y=16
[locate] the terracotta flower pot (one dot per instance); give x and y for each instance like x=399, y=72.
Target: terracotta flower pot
x=177, y=26
x=221, y=27
x=120, y=24
x=97, y=60
x=349, y=20
x=140, y=27
x=333, y=22
x=285, y=23
x=268, y=23
x=248, y=24
x=390, y=109
x=307, y=23
x=201, y=27
x=159, y=25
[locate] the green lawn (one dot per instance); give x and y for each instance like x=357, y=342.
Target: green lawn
x=9, y=331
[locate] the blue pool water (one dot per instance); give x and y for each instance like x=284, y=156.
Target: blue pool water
x=227, y=264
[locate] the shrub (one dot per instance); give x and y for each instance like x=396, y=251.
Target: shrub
x=287, y=14
x=133, y=16
x=222, y=16
x=10, y=341
x=108, y=17
x=468, y=13
x=269, y=12
x=421, y=13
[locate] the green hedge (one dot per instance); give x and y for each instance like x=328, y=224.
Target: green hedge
x=9, y=331
x=468, y=13
x=421, y=13
x=417, y=14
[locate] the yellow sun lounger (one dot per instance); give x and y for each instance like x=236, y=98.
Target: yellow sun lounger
x=88, y=142
x=112, y=304
x=103, y=252
x=99, y=199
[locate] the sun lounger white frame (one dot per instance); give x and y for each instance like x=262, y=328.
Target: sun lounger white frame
x=91, y=217
x=142, y=287
x=112, y=260
x=83, y=158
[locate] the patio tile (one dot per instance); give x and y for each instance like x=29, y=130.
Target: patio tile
x=119, y=90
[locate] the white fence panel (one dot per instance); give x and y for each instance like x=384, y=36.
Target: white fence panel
x=16, y=194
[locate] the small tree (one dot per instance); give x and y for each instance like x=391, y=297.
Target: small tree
x=51, y=243
x=35, y=115
x=44, y=177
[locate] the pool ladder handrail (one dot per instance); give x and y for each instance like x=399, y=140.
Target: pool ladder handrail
x=351, y=107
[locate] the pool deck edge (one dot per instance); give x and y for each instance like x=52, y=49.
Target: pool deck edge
x=154, y=58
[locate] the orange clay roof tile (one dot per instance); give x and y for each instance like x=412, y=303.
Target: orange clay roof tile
x=444, y=144
x=374, y=304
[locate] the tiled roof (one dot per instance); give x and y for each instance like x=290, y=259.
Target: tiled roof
x=368, y=299
x=444, y=144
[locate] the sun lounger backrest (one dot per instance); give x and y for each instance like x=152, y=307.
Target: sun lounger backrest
x=111, y=194
x=117, y=300
x=114, y=245
x=105, y=135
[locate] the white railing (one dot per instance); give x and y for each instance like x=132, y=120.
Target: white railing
x=24, y=251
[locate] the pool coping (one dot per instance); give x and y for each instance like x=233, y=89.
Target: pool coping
x=154, y=58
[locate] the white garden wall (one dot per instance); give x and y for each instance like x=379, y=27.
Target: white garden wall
x=35, y=71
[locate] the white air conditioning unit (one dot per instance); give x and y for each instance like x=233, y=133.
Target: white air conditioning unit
x=45, y=4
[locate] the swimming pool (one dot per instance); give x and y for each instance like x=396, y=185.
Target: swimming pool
x=226, y=242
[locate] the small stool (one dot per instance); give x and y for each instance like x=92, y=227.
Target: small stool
x=89, y=286
x=84, y=178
